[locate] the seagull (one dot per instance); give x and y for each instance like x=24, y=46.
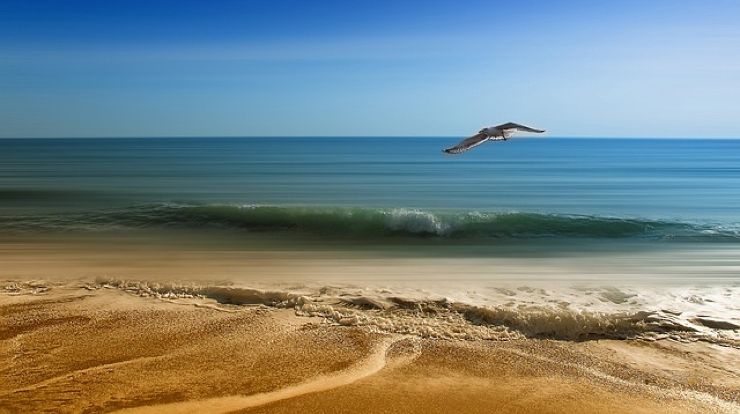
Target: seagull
x=497, y=133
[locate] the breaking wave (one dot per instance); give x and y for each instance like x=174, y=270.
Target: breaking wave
x=375, y=222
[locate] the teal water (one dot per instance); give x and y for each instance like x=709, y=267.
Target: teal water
x=376, y=187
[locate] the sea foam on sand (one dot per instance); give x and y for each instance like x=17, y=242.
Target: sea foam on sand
x=495, y=313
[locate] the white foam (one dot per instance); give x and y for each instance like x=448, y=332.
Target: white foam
x=415, y=221
x=575, y=313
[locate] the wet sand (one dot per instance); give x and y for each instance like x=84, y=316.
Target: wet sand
x=67, y=348
x=185, y=325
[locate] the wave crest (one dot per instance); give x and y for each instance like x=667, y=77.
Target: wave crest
x=415, y=222
x=362, y=223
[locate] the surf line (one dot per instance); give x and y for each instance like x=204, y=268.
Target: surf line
x=221, y=405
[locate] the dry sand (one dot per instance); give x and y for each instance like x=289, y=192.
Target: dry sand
x=70, y=349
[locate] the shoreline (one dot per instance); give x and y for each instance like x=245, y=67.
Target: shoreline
x=104, y=350
x=208, y=325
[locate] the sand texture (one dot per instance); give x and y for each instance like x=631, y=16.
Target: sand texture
x=68, y=348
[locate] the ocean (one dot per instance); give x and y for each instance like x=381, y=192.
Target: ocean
x=553, y=237
x=655, y=189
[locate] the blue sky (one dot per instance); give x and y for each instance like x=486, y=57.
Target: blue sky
x=253, y=68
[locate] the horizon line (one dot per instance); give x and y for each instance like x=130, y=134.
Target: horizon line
x=356, y=136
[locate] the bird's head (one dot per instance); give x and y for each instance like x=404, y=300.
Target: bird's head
x=483, y=131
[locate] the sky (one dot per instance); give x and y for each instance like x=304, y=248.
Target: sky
x=659, y=68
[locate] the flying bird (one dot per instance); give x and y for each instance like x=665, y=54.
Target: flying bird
x=497, y=133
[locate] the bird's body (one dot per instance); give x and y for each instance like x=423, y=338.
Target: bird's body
x=495, y=133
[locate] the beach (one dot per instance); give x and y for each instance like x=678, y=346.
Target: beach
x=222, y=275
x=261, y=335
x=72, y=347
x=381, y=207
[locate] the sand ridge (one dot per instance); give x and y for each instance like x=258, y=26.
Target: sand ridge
x=364, y=368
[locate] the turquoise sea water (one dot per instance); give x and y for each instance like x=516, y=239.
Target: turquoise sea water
x=655, y=189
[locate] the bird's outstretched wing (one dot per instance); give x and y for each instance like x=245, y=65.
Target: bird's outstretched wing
x=518, y=127
x=467, y=144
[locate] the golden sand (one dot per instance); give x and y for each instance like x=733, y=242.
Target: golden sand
x=70, y=349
